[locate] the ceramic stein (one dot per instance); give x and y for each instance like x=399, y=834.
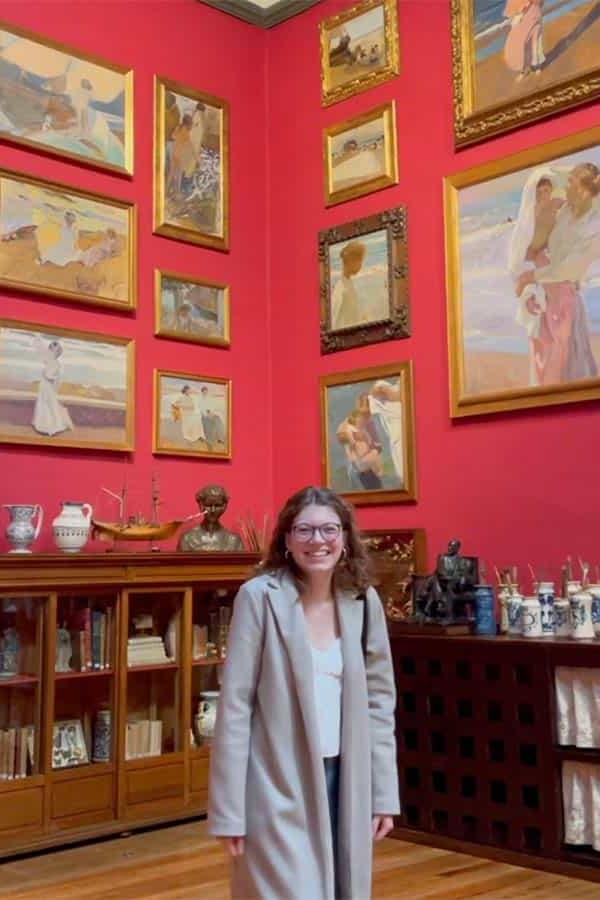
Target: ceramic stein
x=513, y=605
x=594, y=590
x=485, y=615
x=21, y=532
x=72, y=525
x=206, y=717
x=531, y=618
x=562, y=617
x=581, y=615
x=504, y=594
x=546, y=601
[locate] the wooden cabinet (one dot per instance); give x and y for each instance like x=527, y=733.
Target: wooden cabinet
x=102, y=662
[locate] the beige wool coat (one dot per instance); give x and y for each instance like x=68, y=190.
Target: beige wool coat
x=267, y=777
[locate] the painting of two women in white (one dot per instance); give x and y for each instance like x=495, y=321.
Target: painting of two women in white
x=62, y=389
x=530, y=277
x=365, y=436
x=192, y=416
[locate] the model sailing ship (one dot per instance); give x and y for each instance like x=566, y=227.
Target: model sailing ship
x=137, y=527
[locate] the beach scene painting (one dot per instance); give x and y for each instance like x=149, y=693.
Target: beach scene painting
x=364, y=281
x=63, y=388
x=188, y=309
x=359, y=49
x=522, y=59
x=360, y=155
x=59, y=100
x=66, y=243
x=191, y=192
x=192, y=415
x=524, y=278
x=368, y=433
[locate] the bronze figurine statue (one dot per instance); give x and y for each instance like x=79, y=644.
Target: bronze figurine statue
x=447, y=595
x=210, y=535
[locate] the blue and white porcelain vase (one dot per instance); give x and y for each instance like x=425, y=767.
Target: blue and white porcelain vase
x=102, y=736
x=21, y=531
x=546, y=601
x=531, y=618
x=594, y=590
x=513, y=606
x=562, y=617
x=485, y=613
x=581, y=615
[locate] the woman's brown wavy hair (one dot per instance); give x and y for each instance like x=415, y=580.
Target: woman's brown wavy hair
x=353, y=569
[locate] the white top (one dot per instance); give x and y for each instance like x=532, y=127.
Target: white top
x=328, y=666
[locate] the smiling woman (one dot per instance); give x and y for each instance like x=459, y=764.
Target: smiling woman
x=300, y=691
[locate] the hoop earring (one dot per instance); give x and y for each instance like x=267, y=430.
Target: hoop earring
x=345, y=553
x=286, y=555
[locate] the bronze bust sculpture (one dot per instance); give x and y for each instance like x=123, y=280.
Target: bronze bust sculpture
x=210, y=535
x=446, y=596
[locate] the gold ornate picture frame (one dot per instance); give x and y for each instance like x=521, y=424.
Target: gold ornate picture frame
x=192, y=415
x=360, y=155
x=65, y=242
x=359, y=49
x=364, y=290
x=65, y=102
x=517, y=62
x=65, y=388
x=191, y=165
x=368, y=434
x=191, y=309
x=523, y=278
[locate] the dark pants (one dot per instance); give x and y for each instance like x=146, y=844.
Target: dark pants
x=332, y=780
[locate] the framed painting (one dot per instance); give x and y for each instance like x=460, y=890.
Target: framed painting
x=191, y=165
x=66, y=243
x=395, y=554
x=364, y=281
x=360, y=155
x=368, y=434
x=192, y=415
x=63, y=388
x=191, y=309
x=523, y=278
x=359, y=49
x=56, y=99
x=68, y=744
x=515, y=61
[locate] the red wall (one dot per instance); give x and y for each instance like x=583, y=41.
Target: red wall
x=197, y=45
x=516, y=487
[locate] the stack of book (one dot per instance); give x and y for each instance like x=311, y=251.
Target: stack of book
x=146, y=650
x=16, y=752
x=143, y=738
x=91, y=633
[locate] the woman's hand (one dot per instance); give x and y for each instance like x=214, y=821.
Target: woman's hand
x=382, y=825
x=235, y=846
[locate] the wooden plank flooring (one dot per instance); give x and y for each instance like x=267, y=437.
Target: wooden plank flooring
x=184, y=863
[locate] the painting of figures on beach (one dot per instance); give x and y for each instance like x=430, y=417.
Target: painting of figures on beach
x=359, y=49
x=524, y=278
x=65, y=388
x=360, y=155
x=66, y=243
x=364, y=281
x=368, y=432
x=192, y=415
x=523, y=59
x=59, y=100
x=191, y=164
x=191, y=310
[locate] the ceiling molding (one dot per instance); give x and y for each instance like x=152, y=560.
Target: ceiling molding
x=263, y=17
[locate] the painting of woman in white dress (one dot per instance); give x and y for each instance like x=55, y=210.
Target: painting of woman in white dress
x=369, y=434
x=50, y=416
x=65, y=388
x=192, y=415
x=68, y=243
x=360, y=155
x=65, y=102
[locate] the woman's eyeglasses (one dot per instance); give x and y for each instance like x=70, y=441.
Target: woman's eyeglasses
x=329, y=531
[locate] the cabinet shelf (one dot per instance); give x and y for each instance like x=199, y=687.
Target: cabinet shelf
x=578, y=754
x=209, y=661
x=88, y=673
x=18, y=680
x=154, y=667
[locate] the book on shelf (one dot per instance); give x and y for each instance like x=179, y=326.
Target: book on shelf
x=90, y=631
x=146, y=650
x=16, y=752
x=143, y=738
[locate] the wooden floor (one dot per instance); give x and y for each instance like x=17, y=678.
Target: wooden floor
x=184, y=863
